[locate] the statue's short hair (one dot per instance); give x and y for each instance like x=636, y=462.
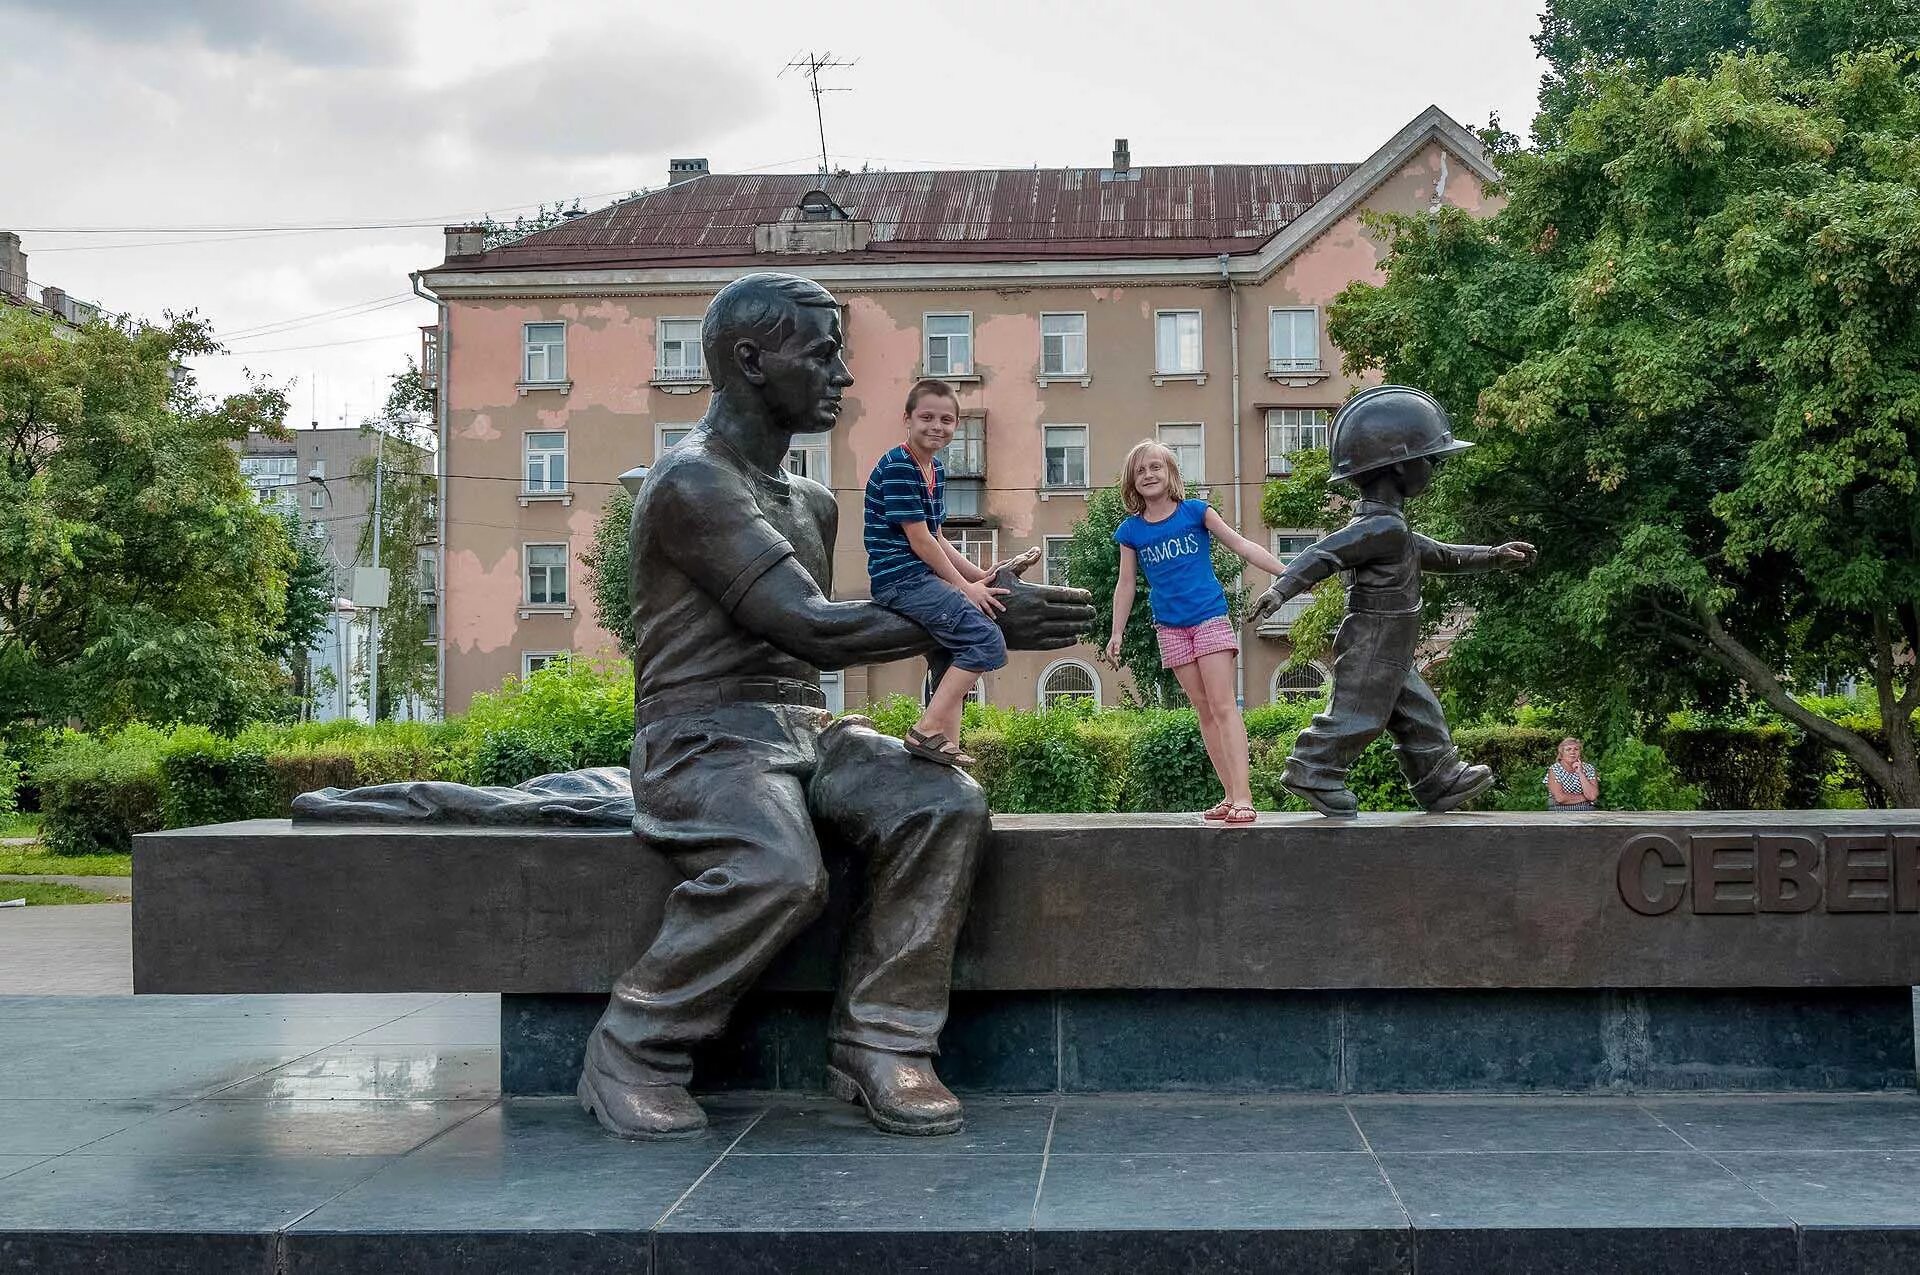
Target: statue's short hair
x=762, y=306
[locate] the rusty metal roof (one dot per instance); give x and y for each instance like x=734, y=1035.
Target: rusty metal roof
x=983, y=215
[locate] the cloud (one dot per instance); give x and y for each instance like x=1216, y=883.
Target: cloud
x=306, y=32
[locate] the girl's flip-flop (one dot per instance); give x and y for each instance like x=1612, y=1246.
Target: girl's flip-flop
x=1215, y=813
x=936, y=748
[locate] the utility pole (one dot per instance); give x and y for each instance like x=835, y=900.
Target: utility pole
x=373, y=616
x=810, y=65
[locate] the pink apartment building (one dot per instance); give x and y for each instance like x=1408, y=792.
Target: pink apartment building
x=1077, y=310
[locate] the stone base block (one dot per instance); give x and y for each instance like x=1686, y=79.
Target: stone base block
x=1349, y=1042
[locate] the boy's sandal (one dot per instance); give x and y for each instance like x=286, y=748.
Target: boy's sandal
x=1239, y=816
x=936, y=747
x=1217, y=812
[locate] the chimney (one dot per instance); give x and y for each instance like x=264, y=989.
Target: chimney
x=55, y=299
x=1122, y=157
x=465, y=242
x=13, y=265
x=681, y=170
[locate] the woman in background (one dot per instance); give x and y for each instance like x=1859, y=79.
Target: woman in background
x=1571, y=781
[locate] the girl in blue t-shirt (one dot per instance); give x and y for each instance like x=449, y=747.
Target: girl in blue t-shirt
x=1172, y=538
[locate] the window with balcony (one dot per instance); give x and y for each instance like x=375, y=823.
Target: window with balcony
x=808, y=458
x=1176, y=343
x=965, y=460
x=1066, y=456
x=546, y=469
x=1188, y=445
x=678, y=358
x=546, y=354
x=1287, y=544
x=1294, y=429
x=1293, y=342
x=949, y=344
x=546, y=575
x=1054, y=564
x=1063, y=346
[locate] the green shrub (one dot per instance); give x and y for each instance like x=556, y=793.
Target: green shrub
x=894, y=715
x=1519, y=757
x=1376, y=779
x=1283, y=720
x=1056, y=762
x=96, y=792
x=1737, y=766
x=9, y=785
x=515, y=754
x=207, y=779
x=1637, y=776
x=1167, y=765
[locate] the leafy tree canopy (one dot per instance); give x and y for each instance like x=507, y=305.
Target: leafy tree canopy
x=139, y=579
x=1690, y=345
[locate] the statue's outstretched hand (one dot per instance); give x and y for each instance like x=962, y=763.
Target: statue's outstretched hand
x=1269, y=602
x=1515, y=554
x=1040, y=617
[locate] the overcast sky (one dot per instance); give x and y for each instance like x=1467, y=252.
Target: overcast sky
x=240, y=115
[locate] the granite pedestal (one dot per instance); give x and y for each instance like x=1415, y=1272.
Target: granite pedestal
x=1597, y=952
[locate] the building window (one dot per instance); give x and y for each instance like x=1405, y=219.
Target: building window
x=834, y=686
x=679, y=354
x=1054, y=564
x=317, y=500
x=1289, y=543
x=808, y=458
x=667, y=437
x=1068, y=679
x=978, y=547
x=1295, y=685
x=547, y=461
x=546, y=353
x=1063, y=345
x=1066, y=450
x=1293, y=340
x=532, y=662
x=1176, y=342
x=949, y=344
x=1188, y=445
x=546, y=575
x=1294, y=429
x=423, y=566
x=966, y=455
x=966, y=499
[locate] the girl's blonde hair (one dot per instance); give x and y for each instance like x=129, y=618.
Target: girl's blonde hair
x=1176, y=486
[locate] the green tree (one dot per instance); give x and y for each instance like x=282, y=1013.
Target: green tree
x=1093, y=564
x=1690, y=345
x=309, y=600
x=409, y=663
x=607, y=570
x=139, y=579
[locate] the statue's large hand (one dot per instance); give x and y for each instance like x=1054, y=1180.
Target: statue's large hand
x=1041, y=617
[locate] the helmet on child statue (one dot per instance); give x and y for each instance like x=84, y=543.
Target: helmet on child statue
x=1388, y=424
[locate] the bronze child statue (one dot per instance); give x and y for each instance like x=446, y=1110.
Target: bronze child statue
x=1387, y=441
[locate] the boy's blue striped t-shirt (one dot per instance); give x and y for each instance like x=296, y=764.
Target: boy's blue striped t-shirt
x=896, y=494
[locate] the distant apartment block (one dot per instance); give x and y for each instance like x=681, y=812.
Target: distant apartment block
x=1076, y=310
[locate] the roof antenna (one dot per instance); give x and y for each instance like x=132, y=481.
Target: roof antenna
x=811, y=64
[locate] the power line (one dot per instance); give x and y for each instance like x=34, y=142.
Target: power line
x=323, y=345
x=351, y=311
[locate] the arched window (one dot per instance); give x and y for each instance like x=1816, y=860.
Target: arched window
x=1292, y=685
x=1068, y=679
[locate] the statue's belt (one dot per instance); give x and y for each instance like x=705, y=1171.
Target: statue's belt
x=728, y=690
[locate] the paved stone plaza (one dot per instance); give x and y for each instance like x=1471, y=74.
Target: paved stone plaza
x=366, y=1133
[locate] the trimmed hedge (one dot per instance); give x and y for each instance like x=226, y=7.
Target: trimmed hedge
x=1736, y=767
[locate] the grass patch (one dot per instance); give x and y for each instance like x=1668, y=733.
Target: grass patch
x=35, y=863
x=17, y=825
x=44, y=893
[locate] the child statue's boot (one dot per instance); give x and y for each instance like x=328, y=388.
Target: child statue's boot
x=1449, y=787
x=1326, y=793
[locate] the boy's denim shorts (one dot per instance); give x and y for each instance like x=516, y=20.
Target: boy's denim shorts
x=974, y=641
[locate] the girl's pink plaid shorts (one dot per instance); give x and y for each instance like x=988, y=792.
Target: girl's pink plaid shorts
x=1180, y=646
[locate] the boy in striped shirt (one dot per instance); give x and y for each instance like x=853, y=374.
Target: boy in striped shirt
x=916, y=571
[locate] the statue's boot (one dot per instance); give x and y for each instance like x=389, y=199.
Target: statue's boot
x=899, y=1091
x=1453, y=787
x=1324, y=793
x=643, y=1112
